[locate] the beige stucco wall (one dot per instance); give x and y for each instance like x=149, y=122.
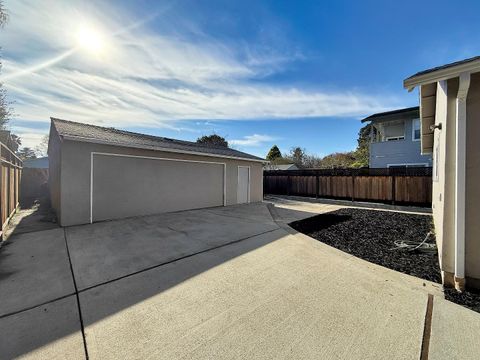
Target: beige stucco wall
x=443, y=197
x=444, y=187
x=54, y=156
x=472, y=203
x=439, y=111
x=128, y=186
x=75, y=176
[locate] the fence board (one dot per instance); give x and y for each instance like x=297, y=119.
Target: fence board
x=404, y=186
x=10, y=174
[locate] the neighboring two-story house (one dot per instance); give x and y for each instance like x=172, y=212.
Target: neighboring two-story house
x=395, y=139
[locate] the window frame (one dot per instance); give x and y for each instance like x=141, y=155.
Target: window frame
x=419, y=130
x=395, y=138
x=409, y=165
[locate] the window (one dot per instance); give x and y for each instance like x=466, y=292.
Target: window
x=394, y=130
x=403, y=166
x=416, y=130
x=393, y=138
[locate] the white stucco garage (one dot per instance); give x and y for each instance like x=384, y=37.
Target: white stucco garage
x=99, y=173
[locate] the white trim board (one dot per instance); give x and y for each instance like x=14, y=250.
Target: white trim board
x=238, y=173
x=441, y=74
x=164, y=159
x=409, y=164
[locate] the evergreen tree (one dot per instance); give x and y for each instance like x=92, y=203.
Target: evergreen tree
x=274, y=153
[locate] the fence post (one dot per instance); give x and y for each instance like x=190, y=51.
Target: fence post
x=353, y=187
x=393, y=189
x=288, y=185
x=317, y=185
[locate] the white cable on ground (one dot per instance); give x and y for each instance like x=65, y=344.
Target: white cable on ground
x=414, y=245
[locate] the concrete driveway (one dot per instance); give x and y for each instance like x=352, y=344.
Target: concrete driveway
x=215, y=283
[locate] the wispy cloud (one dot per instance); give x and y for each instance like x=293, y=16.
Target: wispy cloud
x=253, y=140
x=151, y=77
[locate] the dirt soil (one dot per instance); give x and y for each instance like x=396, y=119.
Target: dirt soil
x=371, y=235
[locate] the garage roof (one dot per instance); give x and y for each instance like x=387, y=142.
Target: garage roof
x=76, y=131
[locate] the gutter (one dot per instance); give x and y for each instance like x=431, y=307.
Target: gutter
x=156, y=148
x=441, y=74
x=460, y=183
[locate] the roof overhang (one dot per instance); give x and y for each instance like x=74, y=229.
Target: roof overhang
x=427, y=82
x=441, y=74
x=407, y=113
x=156, y=148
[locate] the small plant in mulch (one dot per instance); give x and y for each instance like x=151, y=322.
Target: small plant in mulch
x=399, y=241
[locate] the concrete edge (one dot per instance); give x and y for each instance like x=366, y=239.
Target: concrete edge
x=359, y=204
x=424, y=285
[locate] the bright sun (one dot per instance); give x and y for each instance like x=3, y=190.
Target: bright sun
x=90, y=39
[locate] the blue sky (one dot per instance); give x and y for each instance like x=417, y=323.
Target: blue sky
x=291, y=73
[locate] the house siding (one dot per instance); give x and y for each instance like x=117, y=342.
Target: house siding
x=443, y=197
x=472, y=228
x=383, y=154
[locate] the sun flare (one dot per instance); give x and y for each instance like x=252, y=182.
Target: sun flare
x=90, y=39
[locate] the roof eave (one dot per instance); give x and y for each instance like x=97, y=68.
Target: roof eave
x=440, y=74
x=392, y=117
x=156, y=148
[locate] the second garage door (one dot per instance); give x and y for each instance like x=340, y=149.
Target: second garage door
x=124, y=186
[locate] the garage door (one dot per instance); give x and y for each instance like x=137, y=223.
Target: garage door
x=124, y=186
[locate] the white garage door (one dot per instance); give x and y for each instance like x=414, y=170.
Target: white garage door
x=124, y=186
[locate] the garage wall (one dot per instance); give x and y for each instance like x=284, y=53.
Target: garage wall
x=130, y=186
x=75, y=177
x=54, y=162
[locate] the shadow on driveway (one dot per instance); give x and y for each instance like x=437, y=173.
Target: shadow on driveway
x=116, y=265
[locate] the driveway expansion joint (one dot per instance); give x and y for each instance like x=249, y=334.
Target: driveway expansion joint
x=174, y=260
x=36, y=306
x=427, y=330
x=82, y=327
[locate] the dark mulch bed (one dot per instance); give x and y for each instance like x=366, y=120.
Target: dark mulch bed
x=470, y=298
x=370, y=235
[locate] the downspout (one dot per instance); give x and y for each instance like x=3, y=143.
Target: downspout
x=460, y=184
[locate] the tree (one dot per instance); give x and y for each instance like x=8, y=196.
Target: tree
x=213, y=139
x=5, y=109
x=340, y=160
x=16, y=142
x=362, y=153
x=26, y=153
x=274, y=153
x=296, y=156
x=311, y=161
x=42, y=148
x=3, y=15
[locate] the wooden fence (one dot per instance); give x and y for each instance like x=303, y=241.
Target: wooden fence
x=10, y=174
x=409, y=186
